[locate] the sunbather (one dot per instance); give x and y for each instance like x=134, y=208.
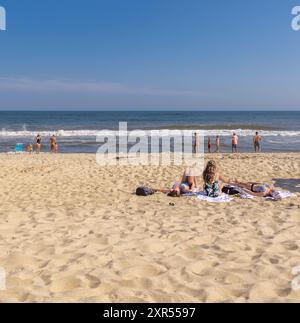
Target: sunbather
x=187, y=184
x=256, y=189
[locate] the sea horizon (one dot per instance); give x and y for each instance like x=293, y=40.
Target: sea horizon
x=149, y=110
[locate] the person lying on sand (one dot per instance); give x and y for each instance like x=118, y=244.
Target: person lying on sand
x=212, y=178
x=256, y=189
x=187, y=184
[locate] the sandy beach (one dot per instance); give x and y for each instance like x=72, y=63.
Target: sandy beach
x=73, y=231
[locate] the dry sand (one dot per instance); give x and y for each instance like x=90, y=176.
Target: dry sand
x=73, y=231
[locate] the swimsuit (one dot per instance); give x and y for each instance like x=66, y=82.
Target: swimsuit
x=260, y=188
x=235, y=142
x=184, y=187
x=212, y=190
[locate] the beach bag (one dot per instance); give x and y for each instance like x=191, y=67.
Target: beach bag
x=232, y=190
x=144, y=191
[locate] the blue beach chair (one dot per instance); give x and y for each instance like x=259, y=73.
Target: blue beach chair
x=19, y=148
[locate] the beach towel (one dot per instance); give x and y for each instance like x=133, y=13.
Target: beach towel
x=279, y=195
x=237, y=191
x=190, y=194
x=223, y=198
x=243, y=195
x=246, y=196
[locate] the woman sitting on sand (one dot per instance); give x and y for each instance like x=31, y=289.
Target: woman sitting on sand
x=188, y=182
x=256, y=189
x=212, y=178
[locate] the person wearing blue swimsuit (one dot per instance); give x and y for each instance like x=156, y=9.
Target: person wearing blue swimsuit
x=255, y=189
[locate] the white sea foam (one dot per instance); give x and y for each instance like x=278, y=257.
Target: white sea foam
x=162, y=132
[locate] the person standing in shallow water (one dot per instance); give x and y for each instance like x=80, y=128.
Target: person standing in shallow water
x=257, y=142
x=235, y=141
x=53, y=144
x=218, y=144
x=29, y=148
x=195, y=143
x=38, y=144
x=209, y=145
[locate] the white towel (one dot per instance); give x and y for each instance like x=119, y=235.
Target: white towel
x=223, y=198
x=190, y=194
x=246, y=196
x=280, y=195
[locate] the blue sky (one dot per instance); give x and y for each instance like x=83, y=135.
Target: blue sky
x=150, y=54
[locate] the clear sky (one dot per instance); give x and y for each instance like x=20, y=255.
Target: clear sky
x=149, y=54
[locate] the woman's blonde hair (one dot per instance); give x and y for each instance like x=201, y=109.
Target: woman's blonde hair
x=210, y=172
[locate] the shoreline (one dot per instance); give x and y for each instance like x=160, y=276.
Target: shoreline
x=172, y=153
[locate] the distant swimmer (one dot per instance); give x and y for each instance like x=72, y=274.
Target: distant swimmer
x=257, y=142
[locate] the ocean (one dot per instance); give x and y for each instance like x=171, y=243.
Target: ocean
x=76, y=131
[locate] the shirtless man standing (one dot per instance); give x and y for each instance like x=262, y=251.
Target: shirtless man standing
x=235, y=140
x=257, y=142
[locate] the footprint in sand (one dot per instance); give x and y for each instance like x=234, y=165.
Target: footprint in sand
x=64, y=284
x=202, y=268
x=141, y=271
x=94, y=282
